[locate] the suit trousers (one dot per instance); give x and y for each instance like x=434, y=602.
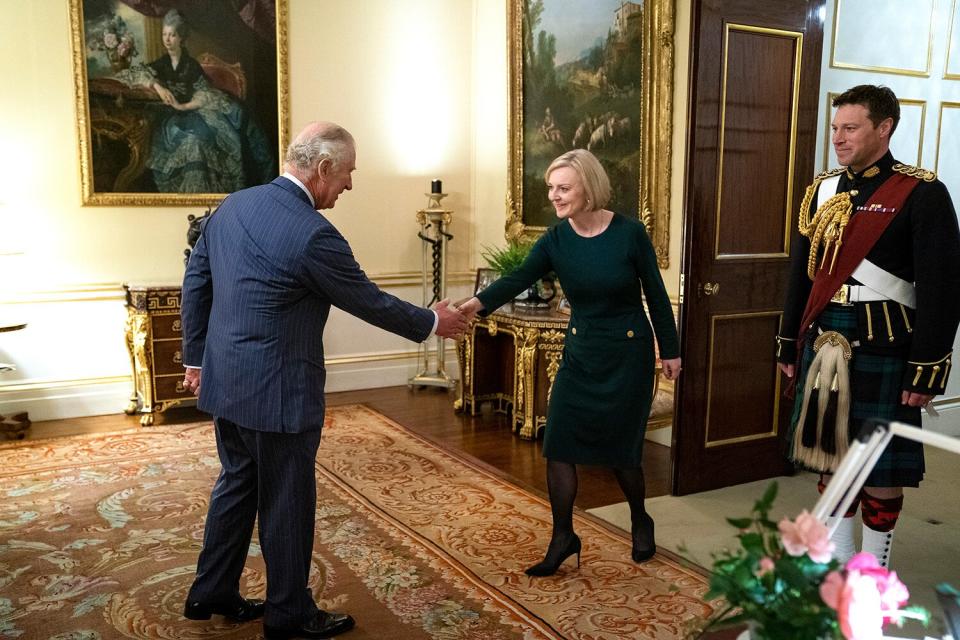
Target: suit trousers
x=271, y=475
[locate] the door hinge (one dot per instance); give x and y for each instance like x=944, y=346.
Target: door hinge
x=682, y=279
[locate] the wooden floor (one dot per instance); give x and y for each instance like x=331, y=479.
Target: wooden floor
x=429, y=412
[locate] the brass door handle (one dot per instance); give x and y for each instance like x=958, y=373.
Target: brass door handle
x=710, y=288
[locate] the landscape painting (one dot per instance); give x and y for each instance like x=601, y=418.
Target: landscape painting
x=582, y=64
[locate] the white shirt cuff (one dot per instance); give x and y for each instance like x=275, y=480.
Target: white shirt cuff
x=436, y=321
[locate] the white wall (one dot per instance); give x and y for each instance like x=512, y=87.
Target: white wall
x=917, y=61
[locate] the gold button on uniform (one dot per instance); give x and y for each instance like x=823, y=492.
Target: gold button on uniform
x=854, y=192
x=630, y=333
x=574, y=331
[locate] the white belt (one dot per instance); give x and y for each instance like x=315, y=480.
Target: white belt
x=893, y=288
x=849, y=293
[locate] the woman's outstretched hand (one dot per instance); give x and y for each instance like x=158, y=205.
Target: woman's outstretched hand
x=469, y=308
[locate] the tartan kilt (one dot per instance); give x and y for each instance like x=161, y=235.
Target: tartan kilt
x=876, y=384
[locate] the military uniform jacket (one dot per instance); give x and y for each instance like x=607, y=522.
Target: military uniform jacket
x=921, y=245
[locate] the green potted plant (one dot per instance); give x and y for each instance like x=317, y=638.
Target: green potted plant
x=507, y=260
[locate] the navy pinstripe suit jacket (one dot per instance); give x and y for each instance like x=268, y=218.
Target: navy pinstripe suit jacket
x=256, y=296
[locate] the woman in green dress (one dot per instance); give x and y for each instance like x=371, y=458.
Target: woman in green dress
x=603, y=390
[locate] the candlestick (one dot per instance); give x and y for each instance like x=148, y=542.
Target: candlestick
x=436, y=186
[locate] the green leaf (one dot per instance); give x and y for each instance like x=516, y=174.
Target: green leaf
x=753, y=543
x=764, y=504
x=505, y=261
x=740, y=523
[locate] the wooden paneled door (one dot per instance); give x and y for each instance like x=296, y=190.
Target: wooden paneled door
x=750, y=154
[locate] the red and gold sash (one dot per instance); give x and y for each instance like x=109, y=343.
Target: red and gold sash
x=861, y=234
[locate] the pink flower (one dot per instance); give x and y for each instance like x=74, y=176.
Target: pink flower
x=765, y=567
x=893, y=593
x=865, y=599
x=856, y=600
x=806, y=535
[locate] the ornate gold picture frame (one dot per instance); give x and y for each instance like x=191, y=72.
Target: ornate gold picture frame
x=610, y=92
x=178, y=103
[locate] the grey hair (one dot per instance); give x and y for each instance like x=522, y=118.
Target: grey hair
x=306, y=152
x=175, y=19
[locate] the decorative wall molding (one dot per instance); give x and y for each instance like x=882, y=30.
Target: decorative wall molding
x=53, y=399
x=944, y=108
x=900, y=28
x=951, y=66
x=60, y=399
x=113, y=291
x=39, y=384
x=949, y=421
x=94, y=292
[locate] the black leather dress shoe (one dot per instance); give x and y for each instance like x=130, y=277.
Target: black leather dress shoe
x=242, y=610
x=326, y=624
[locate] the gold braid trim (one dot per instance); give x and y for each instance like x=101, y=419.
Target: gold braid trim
x=805, y=221
x=915, y=172
x=827, y=223
x=827, y=227
x=927, y=372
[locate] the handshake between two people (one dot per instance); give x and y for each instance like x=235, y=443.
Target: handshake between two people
x=453, y=319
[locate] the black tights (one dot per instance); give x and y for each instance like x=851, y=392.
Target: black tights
x=634, y=488
x=562, y=485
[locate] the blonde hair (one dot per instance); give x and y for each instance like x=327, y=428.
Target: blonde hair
x=596, y=184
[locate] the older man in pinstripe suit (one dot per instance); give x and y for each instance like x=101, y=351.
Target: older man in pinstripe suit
x=256, y=296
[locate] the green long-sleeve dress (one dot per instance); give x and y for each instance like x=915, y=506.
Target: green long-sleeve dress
x=602, y=392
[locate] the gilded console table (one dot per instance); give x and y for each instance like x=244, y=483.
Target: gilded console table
x=155, y=344
x=511, y=358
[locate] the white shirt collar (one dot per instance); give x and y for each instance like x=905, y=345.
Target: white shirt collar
x=292, y=178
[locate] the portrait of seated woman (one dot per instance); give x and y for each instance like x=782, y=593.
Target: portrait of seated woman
x=176, y=122
x=202, y=140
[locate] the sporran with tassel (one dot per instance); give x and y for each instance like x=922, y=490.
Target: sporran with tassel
x=822, y=438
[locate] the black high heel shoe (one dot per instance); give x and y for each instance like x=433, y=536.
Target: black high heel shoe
x=548, y=566
x=644, y=554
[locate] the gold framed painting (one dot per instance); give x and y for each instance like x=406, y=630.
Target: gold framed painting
x=178, y=103
x=598, y=75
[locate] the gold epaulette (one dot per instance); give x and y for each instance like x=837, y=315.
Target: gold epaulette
x=805, y=220
x=930, y=376
x=829, y=173
x=915, y=172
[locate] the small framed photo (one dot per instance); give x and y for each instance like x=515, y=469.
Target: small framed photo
x=485, y=277
x=564, y=305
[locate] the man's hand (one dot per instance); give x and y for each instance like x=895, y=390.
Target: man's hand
x=191, y=380
x=470, y=308
x=450, y=322
x=671, y=368
x=787, y=369
x=912, y=399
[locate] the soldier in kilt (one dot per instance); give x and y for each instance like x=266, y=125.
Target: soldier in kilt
x=871, y=312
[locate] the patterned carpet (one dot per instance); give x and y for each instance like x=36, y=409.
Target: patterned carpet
x=99, y=536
